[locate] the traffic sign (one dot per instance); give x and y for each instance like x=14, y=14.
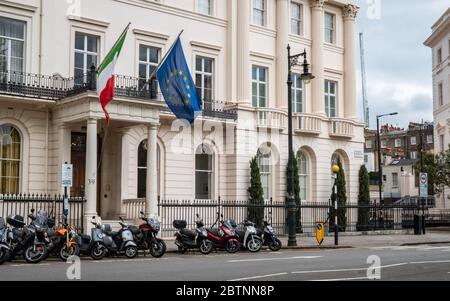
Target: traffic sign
x=423, y=181
x=67, y=175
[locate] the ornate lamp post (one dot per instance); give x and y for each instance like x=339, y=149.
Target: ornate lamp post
x=335, y=169
x=292, y=207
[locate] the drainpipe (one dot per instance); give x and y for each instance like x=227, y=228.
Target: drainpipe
x=41, y=14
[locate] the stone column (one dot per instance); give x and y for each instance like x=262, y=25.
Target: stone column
x=91, y=172
x=317, y=66
x=151, y=201
x=243, y=53
x=64, y=151
x=282, y=42
x=350, y=104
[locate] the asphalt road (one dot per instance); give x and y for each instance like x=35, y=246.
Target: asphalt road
x=429, y=262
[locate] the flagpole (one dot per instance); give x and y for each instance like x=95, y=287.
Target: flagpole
x=124, y=31
x=165, y=56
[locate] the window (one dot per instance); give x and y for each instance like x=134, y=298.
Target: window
x=439, y=56
x=10, y=159
x=12, y=45
x=366, y=159
x=303, y=175
x=259, y=87
x=430, y=139
x=413, y=155
x=148, y=61
x=86, y=55
x=259, y=12
x=204, y=75
x=205, y=7
x=368, y=143
x=142, y=169
x=203, y=172
x=265, y=170
x=330, y=28
x=440, y=94
x=413, y=140
x=441, y=142
x=297, y=93
x=398, y=142
x=330, y=98
x=383, y=143
x=296, y=18
x=394, y=179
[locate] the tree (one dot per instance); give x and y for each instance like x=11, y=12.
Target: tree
x=256, y=194
x=298, y=221
x=341, y=196
x=363, y=198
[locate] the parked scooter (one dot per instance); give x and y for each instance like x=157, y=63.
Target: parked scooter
x=224, y=237
x=249, y=237
x=192, y=239
x=94, y=245
x=18, y=235
x=4, y=247
x=146, y=236
x=37, y=250
x=123, y=241
x=269, y=238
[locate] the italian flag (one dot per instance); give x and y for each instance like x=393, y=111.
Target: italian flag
x=106, y=77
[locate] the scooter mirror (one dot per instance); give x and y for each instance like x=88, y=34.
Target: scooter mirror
x=121, y=218
x=32, y=210
x=142, y=213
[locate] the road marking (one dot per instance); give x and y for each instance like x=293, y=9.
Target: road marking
x=436, y=248
x=29, y=265
x=347, y=270
x=425, y=262
x=271, y=259
x=259, y=277
x=342, y=279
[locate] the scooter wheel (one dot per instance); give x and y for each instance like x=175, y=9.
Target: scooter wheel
x=157, y=248
x=275, y=245
x=131, y=252
x=66, y=252
x=206, y=246
x=4, y=255
x=98, y=252
x=35, y=254
x=254, y=245
x=232, y=246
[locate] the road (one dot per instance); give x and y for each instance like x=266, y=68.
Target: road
x=426, y=262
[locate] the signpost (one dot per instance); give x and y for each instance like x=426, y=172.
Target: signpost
x=66, y=182
x=423, y=185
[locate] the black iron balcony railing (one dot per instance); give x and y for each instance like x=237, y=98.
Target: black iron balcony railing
x=57, y=88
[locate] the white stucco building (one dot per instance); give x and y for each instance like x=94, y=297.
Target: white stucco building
x=236, y=50
x=439, y=42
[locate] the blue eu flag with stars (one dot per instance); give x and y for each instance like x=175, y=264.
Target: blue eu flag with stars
x=177, y=85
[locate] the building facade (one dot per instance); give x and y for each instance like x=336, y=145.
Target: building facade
x=439, y=42
x=237, y=54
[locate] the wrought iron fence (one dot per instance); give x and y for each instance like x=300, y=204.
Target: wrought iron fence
x=23, y=203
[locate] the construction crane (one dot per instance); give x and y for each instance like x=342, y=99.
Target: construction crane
x=363, y=81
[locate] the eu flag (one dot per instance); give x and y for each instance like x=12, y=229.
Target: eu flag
x=177, y=85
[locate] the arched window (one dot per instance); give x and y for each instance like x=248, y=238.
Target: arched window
x=142, y=169
x=265, y=170
x=303, y=172
x=204, y=168
x=10, y=159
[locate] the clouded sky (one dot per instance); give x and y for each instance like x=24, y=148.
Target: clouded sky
x=398, y=65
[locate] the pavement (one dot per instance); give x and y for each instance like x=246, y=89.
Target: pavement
x=385, y=258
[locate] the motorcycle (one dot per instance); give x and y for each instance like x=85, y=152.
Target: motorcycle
x=269, y=238
x=66, y=244
x=249, y=237
x=225, y=236
x=4, y=247
x=18, y=235
x=146, y=236
x=37, y=249
x=190, y=239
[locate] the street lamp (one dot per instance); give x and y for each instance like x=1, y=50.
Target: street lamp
x=380, y=170
x=306, y=77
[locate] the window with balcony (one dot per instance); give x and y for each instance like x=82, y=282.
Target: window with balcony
x=204, y=168
x=205, y=7
x=86, y=55
x=413, y=141
x=297, y=93
x=204, y=77
x=330, y=98
x=12, y=45
x=330, y=28
x=10, y=159
x=296, y=18
x=259, y=12
x=148, y=61
x=259, y=86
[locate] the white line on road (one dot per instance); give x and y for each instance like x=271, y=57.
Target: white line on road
x=436, y=248
x=342, y=279
x=259, y=277
x=272, y=259
x=347, y=270
x=29, y=265
x=425, y=262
